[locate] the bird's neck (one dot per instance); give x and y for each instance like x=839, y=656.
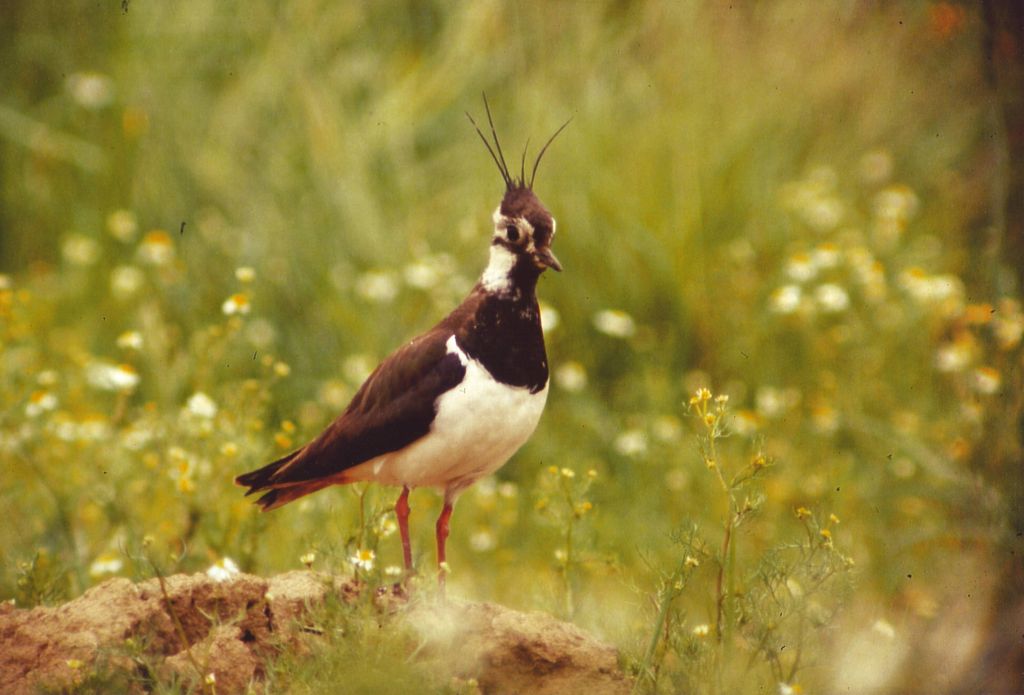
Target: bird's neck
x=509, y=275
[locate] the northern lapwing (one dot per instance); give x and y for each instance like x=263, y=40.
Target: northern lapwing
x=455, y=403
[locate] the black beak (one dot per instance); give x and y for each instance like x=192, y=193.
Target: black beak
x=545, y=259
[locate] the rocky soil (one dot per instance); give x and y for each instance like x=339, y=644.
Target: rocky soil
x=195, y=625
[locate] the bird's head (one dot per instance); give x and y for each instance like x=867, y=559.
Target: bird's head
x=523, y=227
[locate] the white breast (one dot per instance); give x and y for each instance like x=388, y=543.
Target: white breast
x=479, y=425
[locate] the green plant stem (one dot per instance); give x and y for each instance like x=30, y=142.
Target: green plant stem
x=566, y=578
x=720, y=588
x=180, y=630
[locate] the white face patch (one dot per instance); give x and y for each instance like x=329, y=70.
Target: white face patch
x=502, y=223
x=496, y=274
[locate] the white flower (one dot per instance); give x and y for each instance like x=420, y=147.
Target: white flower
x=156, y=248
x=237, y=303
x=334, y=394
x=614, y=322
x=801, y=267
x=702, y=630
x=824, y=213
x=79, y=249
x=667, y=428
x=508, y=490
x=136, y=437
x=93, y=429
x=245, y=274
x=122, y=225
x=40, y=402
x=897, y=203
x=130, y=340
x=261, y=332
x=201, y=405
x=377, y=286
x=112, y=377
x=786, y=299
x=363, y=559
x=832, y=298
x=387, y=527
x=946, y=290
x=223, y=570
x=107, y=563
x=571, y=376
x=987, y=380
x=954, y=356
x=884, y=628
x=876, y=167
x=357, y=367
x=772, y=402
x=549, y=317
x=125, y=281
x=631, y=443
x=483, y=540
x=825, y=256
x=425, y=273
x=392, y=570
x=90, y=89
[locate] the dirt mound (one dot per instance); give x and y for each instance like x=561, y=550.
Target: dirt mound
x=232, y=627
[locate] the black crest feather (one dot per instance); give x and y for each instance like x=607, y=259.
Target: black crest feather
x=511, y=182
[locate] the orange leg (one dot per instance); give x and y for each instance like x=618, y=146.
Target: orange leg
x=442, y=536
x=402, y=512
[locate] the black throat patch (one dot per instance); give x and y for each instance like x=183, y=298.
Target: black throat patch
x=504, y=334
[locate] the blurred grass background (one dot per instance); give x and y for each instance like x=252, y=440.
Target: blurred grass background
x=789, y=203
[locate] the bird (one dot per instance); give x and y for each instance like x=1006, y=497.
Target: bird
x=453, y=404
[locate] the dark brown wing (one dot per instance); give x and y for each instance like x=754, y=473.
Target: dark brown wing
x=393, y=408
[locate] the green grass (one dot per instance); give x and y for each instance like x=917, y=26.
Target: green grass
x=784, y=200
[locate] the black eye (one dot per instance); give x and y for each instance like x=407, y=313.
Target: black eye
x=513, y=232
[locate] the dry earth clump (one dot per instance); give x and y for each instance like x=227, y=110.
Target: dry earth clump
x=195, y=625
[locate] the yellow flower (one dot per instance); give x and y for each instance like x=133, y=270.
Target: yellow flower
x=702, y=395
x=568, y=473
x=802, y=512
